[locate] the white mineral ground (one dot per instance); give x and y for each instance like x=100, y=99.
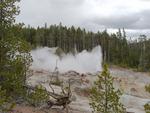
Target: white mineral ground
x=130, y=82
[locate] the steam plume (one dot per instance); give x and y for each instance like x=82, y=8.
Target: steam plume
x=83, y=62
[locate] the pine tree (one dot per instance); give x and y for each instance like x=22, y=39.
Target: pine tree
x=8, y=10
x=15, y=58
x=104, y=98
x=147, y=106
x=142, y=60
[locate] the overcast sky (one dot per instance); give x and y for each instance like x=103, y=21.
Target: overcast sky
x=133, y=15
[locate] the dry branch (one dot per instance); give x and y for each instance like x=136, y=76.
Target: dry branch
x=57, y=99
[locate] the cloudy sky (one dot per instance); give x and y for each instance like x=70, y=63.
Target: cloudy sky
x=133, y=15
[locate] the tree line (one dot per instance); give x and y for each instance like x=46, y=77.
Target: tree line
x=116, y=49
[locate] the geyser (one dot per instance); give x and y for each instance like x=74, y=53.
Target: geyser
x=83, y=62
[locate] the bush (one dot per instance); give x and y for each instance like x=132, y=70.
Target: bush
x=147, y=106
x=5, y=105
x=38, y=97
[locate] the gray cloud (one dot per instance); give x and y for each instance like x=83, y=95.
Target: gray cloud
x=65, y=3
x=91, y=14
x=143, y=22
x=37, y=12
x=145, y=0
x=138, y=20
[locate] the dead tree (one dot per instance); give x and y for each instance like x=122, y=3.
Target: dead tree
x=63, y=99
x=57, y=99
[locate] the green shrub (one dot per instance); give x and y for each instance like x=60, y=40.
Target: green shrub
x=147, y=106
x=5, y=105
x=38, y=97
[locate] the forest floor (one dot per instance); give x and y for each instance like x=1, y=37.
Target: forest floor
x=131, y=83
